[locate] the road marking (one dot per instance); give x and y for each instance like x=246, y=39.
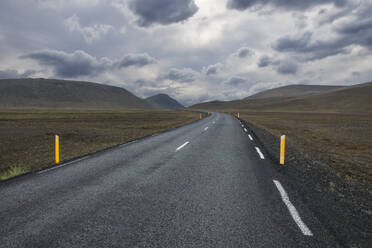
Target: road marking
x=133, y=141
x=53, y=168
x=242, y=125
x=292, y=210
x=182, y=146
x=250, y=137
x=205, y=129
x=214, y=122
x=245, y=130
x=59, y=166
x=260, y=153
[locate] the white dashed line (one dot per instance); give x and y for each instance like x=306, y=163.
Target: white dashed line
x=250, y=137
x=260, y=153
x=292, y=210
x=245, y=130
x=182, y=146
x=205, y=129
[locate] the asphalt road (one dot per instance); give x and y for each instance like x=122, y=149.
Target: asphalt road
x=217, y=190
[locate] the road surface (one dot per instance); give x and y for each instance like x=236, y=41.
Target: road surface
x=206, y=184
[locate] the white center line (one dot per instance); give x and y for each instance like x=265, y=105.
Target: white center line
x=250, y=137
x=245, y=130
x=182, y=146
x=205, y=129
x=260, y=153
x=292, y=210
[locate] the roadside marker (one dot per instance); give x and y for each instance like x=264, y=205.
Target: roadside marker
x=238, y=115
x=282, y=149
x=201, y=116
x=57, y=149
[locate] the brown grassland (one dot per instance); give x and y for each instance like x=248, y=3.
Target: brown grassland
x=339, y=140
x=27, y=136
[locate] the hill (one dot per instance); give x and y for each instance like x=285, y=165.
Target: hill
x=163, y=101
x=52, y=93
x=294, y=90
x=351, y=99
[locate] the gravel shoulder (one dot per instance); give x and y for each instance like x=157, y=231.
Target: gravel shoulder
x=342, y=207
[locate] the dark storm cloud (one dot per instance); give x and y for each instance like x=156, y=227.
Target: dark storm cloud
x=355, y=30
x=312, y=50
x=284, y=4
x=244, y=52
x=80, y=63
x=145, y=83
x=185, y=75
x=69, y=65
x=138, y=60
x=235, y=81
x=162, y=11
x=287, y=67
x=5, y=74
x=264, y=61
x=282, y=67
x=288, y=43
x=212, y=69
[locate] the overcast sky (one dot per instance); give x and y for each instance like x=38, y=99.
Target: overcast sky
x=193, y=50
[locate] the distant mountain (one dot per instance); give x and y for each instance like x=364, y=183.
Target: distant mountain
x=52, y=93
x=350, y=99
x=163, y=101
x=294, y=90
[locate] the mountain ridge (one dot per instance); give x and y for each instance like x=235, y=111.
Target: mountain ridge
x=352, y=99
x=163, y=101
x=56, y=93
x=294, y=90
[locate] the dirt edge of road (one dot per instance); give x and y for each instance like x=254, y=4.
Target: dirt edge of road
x=343, y=208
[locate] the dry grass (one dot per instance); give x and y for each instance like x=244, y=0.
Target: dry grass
x=12, y=172
x=341, y=141
x=27, y=137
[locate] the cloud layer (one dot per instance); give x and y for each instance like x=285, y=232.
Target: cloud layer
x=162, y=11
x=194, y=50
x=285, y=4
x=80, y=63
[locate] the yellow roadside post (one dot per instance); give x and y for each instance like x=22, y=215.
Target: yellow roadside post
x=238, y=115
x=282, y=149
x=57, y=148
x=201, y=116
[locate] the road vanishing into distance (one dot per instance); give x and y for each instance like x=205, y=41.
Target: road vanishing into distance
x=206, y=184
